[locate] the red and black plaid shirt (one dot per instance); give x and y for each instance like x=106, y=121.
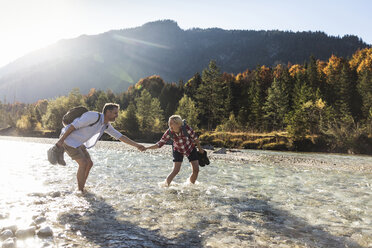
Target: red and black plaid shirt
x=181, y=143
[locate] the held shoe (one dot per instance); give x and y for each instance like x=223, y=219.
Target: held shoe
x=52, y=157
x=55, y=154
x=203, y=159
x=60, y=156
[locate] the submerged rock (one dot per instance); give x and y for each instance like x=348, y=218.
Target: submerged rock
x=55, y=194
x=45, y=232
x=6, y=234
x=39, y=220
x=25, y=233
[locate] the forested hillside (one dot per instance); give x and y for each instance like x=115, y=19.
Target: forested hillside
x=328, y=102
x=118, y=59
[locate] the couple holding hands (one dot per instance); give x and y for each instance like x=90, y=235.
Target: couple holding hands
x=84, y=132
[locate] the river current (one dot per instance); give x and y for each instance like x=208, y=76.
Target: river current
x=232, y=204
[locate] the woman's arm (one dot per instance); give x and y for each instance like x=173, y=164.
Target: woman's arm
x=201, y=150
x=153, y=147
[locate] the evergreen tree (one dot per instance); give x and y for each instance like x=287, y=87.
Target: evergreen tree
x=210, y=96
x=313, y=78
x=127, y=121
x=276, y=106
x=156, y=116
x=191, y=87
x=143, y=111
x=169, y=98
x=187, y=110
x=344, y=90
x=365, y=90
x=101, y=101
x=149, y=113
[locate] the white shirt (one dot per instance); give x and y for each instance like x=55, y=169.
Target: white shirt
x=86, y=134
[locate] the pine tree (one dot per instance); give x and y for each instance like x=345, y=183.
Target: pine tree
x=276, y=106
x=344, y=91
x=191, y=87
x=149, y=113
x=187, y=109
x=143, y=111
x=312, y=74
x=127, y=121
x=210, y=96
x=156, y=116
x=365, y=90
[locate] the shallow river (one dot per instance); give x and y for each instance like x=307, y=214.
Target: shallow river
x=232, y=205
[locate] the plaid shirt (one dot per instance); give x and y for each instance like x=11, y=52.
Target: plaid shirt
x=181, y=143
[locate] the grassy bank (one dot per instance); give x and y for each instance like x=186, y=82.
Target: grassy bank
x=281, y=141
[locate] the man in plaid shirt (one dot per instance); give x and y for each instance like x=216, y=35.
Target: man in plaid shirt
x=183, y=145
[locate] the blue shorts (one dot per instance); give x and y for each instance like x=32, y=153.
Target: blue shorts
x=178, y=157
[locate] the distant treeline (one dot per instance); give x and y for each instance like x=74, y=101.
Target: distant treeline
x=330, y=99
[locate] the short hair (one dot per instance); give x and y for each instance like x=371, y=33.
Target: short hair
x=110, y=106
x=175, y=118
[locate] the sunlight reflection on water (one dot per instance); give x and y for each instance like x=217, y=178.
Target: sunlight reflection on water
x=232, y=204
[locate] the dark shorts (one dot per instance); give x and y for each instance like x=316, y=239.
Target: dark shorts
x=178, y=157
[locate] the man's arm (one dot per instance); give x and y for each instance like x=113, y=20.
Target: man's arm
x=128, y=141
x=65, y=135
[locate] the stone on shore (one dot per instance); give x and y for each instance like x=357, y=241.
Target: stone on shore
x=25, y=233
x=3, y=216
x=12, y=227
x=45, y=232
x=9, y=243
x=39, y=220
x=221, y=151
x=7, y=233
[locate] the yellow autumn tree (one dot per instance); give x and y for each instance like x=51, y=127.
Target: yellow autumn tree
x=295, y=69
x=362, y=60
x=334, y=65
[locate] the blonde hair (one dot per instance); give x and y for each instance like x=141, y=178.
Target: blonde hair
x=176, y=119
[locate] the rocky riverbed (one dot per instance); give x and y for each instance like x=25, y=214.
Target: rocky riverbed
x=340, y=162
x=244, y=198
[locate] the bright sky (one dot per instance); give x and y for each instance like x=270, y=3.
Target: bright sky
x=27, y=25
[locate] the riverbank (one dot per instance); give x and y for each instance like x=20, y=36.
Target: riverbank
x=274, y=141
x=362, y=163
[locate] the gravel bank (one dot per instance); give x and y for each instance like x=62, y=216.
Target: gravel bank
x=337, y=162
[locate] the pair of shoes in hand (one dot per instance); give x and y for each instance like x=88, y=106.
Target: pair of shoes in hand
x=203, y=159
x=56, y=155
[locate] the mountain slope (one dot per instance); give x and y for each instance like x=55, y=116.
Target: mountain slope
x=119, y=58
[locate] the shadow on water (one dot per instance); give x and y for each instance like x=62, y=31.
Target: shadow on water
x=275, y=222
x=99, y=224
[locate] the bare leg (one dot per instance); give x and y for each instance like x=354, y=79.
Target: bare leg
x=176, y=169
x=195, y=170
x=87, y=170
x=82, y=172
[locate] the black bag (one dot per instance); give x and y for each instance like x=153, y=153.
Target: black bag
x=74, y=113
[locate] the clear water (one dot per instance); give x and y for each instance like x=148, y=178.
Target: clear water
x=232, y=205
